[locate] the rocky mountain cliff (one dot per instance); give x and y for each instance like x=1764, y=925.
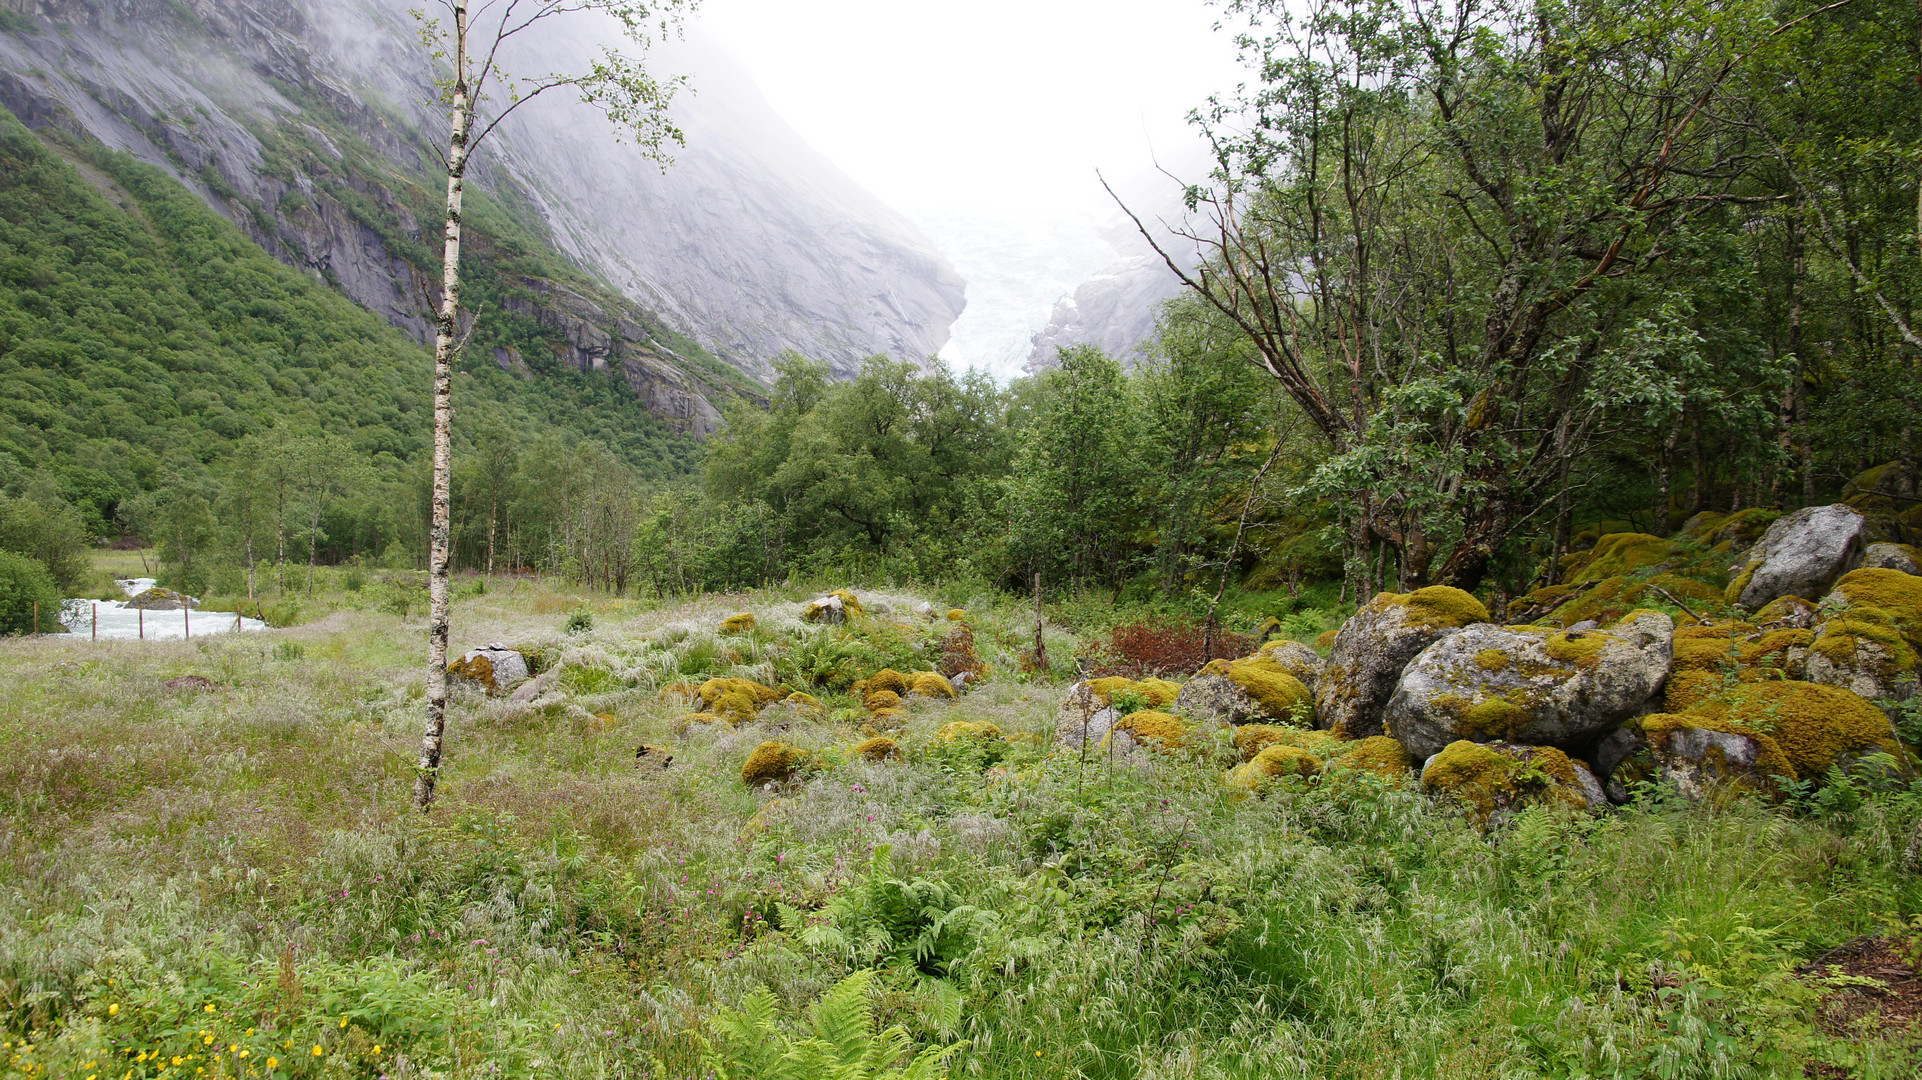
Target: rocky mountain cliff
x=305, y=122
x=1115, y=309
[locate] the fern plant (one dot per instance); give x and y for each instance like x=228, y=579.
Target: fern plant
x=841, y=1042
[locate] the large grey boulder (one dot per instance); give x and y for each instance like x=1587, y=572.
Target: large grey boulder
x=1525, y=685
x=1219, y=696
x=1373, y=646
x=1891, y=557
x=1698, y=755
x=494, y=667
x=1801, y=554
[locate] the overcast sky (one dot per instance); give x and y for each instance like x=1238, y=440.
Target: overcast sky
x=984, y=121
x=1002, y=105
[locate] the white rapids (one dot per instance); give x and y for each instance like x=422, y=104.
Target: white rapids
x=114, y=619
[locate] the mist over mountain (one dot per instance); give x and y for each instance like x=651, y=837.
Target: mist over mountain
x=306, y=124
x=1115, y=308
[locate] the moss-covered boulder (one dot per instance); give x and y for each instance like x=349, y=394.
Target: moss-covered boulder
x=1373, y=646
x=930, y=684
x=773, y=762
x=836, y=607
x=1083, y=718
x=794, y=708
x=1616, y=555
x=1251, y=739
x=1801, y=554
x=1522, y=684
x=1158, y=730
x=1700, y=754
x=1815, y=726
x=879, y=748
x=738, y=624
x=1903, y=557
x=1711, y=660
x=1377, y=754
x=964, y=730
x=1869, y=635
x=1296, y=659
x=736, y=700
x=1268, y=689
x=1273, y=763
x=1491, y=779
x=494, y=668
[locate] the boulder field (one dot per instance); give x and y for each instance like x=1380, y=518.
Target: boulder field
x=1751, y=651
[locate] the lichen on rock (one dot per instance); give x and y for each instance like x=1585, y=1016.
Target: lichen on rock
x=1372, y=647
x=1558, y=687
x=1801, y=554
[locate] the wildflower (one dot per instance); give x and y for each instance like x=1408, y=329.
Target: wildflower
x=343, y=1022
x=273, y=1062
x=376, y=1048
x=210, y=1006
x=317, y=1050
x=114, y=1009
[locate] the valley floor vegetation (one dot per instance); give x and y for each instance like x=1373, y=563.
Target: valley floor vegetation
x=212, y=867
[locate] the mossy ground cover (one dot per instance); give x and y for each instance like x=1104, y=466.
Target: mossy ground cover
x=242, y=865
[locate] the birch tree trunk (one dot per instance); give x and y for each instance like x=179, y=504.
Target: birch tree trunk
x=445, y=344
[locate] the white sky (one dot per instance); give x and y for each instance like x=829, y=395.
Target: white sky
x=984, y=121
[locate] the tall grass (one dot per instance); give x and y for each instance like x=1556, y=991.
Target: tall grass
x=568, y=911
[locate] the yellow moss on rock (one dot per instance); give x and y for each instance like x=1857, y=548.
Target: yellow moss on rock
x=738, y=624
x=1326, y=640
x=1487, y=781
x=879, y=748
x=1105, y=688
x=806, y=704
x=1889, y=596
x=1492, y=660
x=1771, y=761
x=1812, y=724
x=1273, y=763
x=1161, y=728
x=887, y=679
x=889, y=718
x=1495, y=719
x=1618, y=554
x=1279, y=694
x=956, y=614
x=1156, y=692
x=775, y=761
x=1442, y=605
x=930, y=684
x=736, y=700
x=968, y=729
x=1377, y=754
x=1251, y=739
x=876, y=700
x=1581, y=649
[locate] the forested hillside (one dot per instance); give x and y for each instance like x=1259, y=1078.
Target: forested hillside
x=153, y=360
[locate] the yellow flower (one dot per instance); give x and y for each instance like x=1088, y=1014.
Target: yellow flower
x=243, y=1053
x=343, y=1021
x=206, y=1040
x=273, y=1062
x=376, y=1048
x=210, y=1006
x=176, y=1059
x=233, y=1048
x=114, y=1009
x=317, y=1050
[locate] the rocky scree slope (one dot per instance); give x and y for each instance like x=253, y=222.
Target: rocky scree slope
x=304, y=123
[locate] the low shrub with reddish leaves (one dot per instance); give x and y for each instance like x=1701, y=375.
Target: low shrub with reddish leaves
x=1142, y=649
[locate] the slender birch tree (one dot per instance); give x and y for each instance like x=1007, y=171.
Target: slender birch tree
x=473, y=45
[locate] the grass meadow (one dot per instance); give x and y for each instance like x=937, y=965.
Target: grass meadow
x=232, y=881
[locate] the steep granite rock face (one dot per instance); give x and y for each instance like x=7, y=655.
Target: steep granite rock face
x=304, y=123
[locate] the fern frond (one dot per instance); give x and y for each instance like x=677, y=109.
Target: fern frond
x=844, y=1017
